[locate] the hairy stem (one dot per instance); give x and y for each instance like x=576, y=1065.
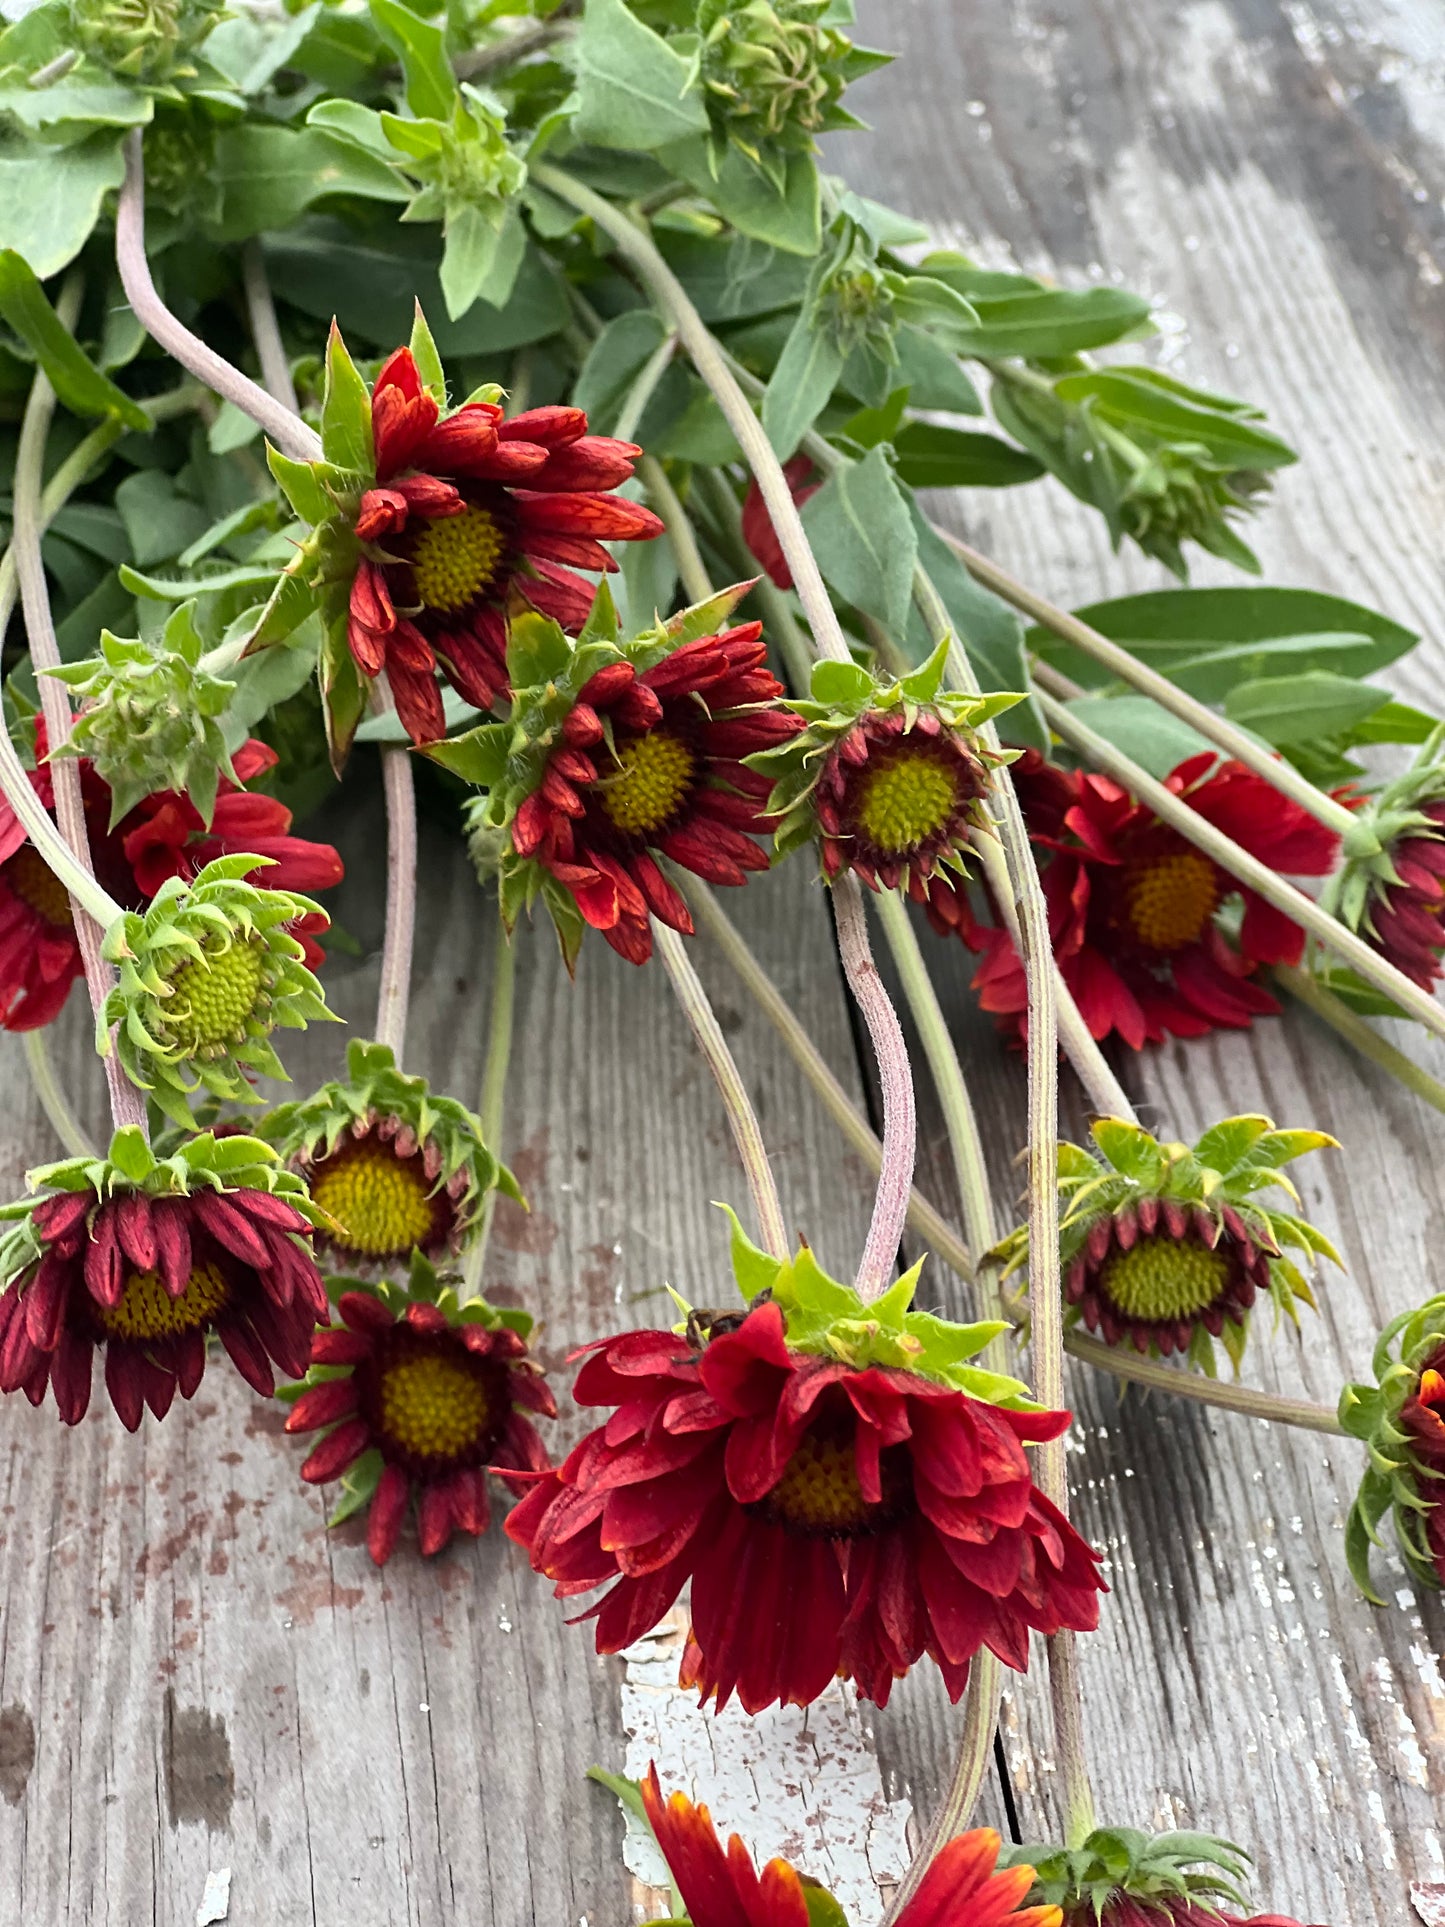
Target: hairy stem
x=517, y=46
x=1355, y=1030
x=53, y=1100
x=929, y=1224
x=685, y=552
x=1198, y=1388
x=285, y=428
x=780, y=625
x=265, y=331
x=900, y=1123
x=747, y=1132
x=396, y=948
x=492, y=1101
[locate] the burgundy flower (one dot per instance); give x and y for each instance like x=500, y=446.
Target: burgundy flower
x=758, y=531
x=1407, y=922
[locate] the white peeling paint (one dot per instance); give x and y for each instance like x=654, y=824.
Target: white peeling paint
x=798, y=1783
x=216, y=1900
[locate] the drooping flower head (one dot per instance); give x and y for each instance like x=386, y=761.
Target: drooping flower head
x=1124, y=1878
x=719, y=1887
x=432, y=527
x=205, y=975
x=1138, y=915
x=619, y=751
x=844, y=1491
x=420, y=1396
x=1167, y=1247
x=141, y=1259
x=395, y=1167
x=887, y=778
x=163, y=836
x=1390, y=888
x=1401, y=1418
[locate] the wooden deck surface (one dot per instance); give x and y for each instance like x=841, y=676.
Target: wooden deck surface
x=196, y=1676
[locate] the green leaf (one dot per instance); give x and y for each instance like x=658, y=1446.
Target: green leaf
x=428, y=361
x=931, y=455
x=864, y=539
x=789, y=220
x=1019, y=316
x=732, y=277
x=801, y=384
x=537, y=650
x=251, y=48
x=1227, y=1144
x=73, y=105
x=50, y=198
x=923, y=302
x=823, y=1909
x=74, y=377
x=633, y=90
x=481, y=258
x=1176, y=413
x=131, y=1154
x=159, y=520
x=754, y=1269
x=270, y=175
x=431, y=87
x=300, y=484
x=1147, y=734
x=614, y=361
x=478, y=757
x=990, y=632
x=1293, y=709
x=934, y=376
x=841, y=683
x=346, y=411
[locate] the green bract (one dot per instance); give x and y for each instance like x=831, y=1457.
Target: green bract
x=207, y=972
x=1152, y=1869
x=1405, y=1473
x=1136, y=1189
x=148, y=720
x=1396, y=814
x=146, y=40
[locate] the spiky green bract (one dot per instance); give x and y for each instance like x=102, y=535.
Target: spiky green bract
x=1399, y=812
x=548, y=670
x=1208, y=1190
x=1152, y=1869
x=845, y=695
x=198, y=1163
x=830, y=1319
x=206, y=973
x=1402, y=1475
x=148, y=720
x=425, y=1285
x=150, y=41
x=448, y=1133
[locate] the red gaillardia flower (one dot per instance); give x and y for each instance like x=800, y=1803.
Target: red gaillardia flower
x=1167, y=1247
x=1123, y=1878
x=1133, y=906
x=163, y=836
x=618, y=752
x=1401, y=1418
x=720, y=1888
x=141, y=1259
x=423, y=1396
x=1390, y=888
x=887, y=778
x=840, y=1510
x=394, y=1166
x=758, y=531
x=466, y=512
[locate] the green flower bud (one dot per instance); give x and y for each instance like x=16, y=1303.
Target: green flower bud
x=144, y=40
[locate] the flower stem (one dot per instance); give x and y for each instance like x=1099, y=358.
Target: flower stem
x=711, y=362
x=491, y=1103
x=747, y=1133
x=1245, y=868
x=1152, y=1372
x=1355, y=1030
x=975, y=1751
x=53, y=1100
x=925, y=1220
x=265, y=331
x=685, y=552
x=516, y=46
x=644, y=388
x=900, y=1123
x=392, y=999
x=1280, y=775
x=285, y=428
x=780, y=625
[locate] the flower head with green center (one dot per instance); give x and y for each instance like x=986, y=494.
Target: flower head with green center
x=888, y=778
x=421, y=1395
x=140, y=1258
x=1132, y=1879
x=206, y=973
x=1401, y=1418
x=1167, y=1246
x=395, y=1167
x=148, y=720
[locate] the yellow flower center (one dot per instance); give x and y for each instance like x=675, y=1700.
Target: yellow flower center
x=454, y=559
x=32, y=879
x=1163, y=1278
x=1169, y=900
x=905, y=798
x=653, y=776
x=215, y=994
x=148, y=1311
x=382, y=1202
x=435, y=1404
x=819, y=1494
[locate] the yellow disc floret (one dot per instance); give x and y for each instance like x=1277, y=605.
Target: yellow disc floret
x=1170, y=899
x=455, y=559
x=214, y=995
x=382, y=1202
x=653, y=777
x=1163, y=1278
x=148, y=1311
x=904, y=799
x=434, y=1404
x=32, y=878
x=819, y=1493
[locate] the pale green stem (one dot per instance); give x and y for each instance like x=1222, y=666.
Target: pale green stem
x=780, y=625
x=644, y=388
x=930, y=1224
x=516, y=46
x=1246, y=869
x=1200, y=1389
x=1227, y=736
x=53, y=1100
x=265, y=330
x=394, y=996
x=747, y=1132
x=1355, y=1030
x=492, y=1102
x=712, y=363
x=685, y=552
x=975, y=1752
